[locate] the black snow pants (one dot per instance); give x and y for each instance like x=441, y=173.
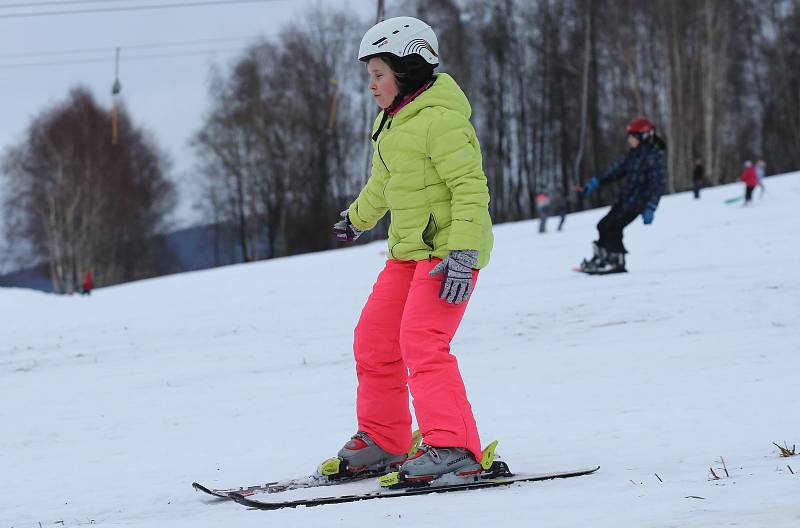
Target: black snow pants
x=611, y=225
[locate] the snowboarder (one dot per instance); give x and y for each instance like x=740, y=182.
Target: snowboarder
x=761, y=172
x=427, y=172
x=88, y=283
x=697, y=178
x=644, y=171
x=750, y=179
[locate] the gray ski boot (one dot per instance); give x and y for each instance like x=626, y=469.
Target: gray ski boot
x=430, y=463
x=361, y=455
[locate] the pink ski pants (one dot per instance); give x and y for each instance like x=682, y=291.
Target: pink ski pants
x=402, y=342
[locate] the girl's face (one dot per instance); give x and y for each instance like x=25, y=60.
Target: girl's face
x=382, y=82
x=633, y=141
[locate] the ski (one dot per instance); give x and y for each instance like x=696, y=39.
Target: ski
x=223, y=493
x=329, y=473
x=311, y=481
x=498, y=475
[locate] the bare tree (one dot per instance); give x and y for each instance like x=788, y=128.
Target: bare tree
x=276, y=146
x=83, y=203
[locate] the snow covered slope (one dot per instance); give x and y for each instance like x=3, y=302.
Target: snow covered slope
x=110, y=406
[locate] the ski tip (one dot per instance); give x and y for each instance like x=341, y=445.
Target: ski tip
x=214, y=493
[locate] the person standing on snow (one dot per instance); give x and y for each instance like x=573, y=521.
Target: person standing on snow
x=750, y=178
x=88, y=283
x=543, y=209
x=427, y=172
x=644, y=171
x=697, y=177
x=761, y=172
x=560, y=207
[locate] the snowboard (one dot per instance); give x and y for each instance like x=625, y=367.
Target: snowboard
x=579, y=270
x=734, y=199
x=498, y=475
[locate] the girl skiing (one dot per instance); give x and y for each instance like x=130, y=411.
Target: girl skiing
x=427, y=173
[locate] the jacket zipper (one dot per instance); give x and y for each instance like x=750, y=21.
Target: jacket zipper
x=378, y=147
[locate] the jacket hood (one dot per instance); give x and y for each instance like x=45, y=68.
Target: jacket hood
x=444, y=92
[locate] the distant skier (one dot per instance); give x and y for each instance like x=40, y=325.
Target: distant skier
x=761, y=172
x=750, y=178
x=644, y=171
x=427, y=171
x=697, y=178
x=560, y=206
x=88, y=283
x=543, y=210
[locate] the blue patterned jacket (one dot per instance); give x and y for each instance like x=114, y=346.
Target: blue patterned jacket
x=645, y=173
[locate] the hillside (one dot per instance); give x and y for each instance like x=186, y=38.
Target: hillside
x=114, y=404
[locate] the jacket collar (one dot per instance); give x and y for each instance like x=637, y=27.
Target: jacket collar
x=394, y=109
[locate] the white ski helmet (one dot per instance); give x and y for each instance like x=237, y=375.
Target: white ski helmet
x=400, y=36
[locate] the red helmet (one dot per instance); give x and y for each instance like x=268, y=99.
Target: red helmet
x=640, y=125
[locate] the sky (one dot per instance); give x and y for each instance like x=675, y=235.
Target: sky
x=166, y=96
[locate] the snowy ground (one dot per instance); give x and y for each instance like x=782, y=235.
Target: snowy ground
x=112, y=405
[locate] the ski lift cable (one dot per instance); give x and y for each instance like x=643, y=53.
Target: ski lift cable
x=22, y=65
x=54, y=3
x=106, y=49
x=31, y=14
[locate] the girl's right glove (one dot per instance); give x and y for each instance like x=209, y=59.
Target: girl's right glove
x=457, y=268
x=344, y=230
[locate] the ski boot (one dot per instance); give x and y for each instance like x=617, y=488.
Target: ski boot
x=431, y=462
x=362, y=457
x=597, y=260
x=432, y=466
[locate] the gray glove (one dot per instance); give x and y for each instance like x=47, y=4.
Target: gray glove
x=344, y=231
x=457, y=268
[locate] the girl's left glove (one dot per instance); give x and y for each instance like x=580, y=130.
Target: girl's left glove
x=457, y=268
x=344, y=230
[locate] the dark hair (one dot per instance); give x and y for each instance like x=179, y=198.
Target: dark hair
x=411, y=71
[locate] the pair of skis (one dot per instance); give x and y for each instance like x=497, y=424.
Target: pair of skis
x=495, y=473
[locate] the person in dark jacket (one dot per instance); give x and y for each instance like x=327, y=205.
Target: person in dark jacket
x=644, y=171
x=697, y=178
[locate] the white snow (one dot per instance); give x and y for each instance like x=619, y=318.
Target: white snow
x=111, y=406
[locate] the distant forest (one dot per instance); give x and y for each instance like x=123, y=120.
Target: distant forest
x=552, y=84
